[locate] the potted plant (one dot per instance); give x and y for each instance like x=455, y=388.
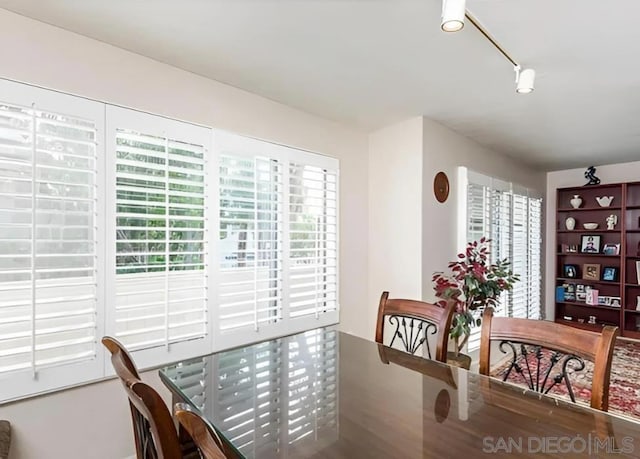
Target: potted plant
x=474, y=284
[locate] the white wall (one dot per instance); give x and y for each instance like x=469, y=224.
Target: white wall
x=446, y=150
x=77, y=423
x=610, y=173
x=395, y=215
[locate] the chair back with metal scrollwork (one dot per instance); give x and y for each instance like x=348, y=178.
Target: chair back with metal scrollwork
x=412, y=322
x=544, y=355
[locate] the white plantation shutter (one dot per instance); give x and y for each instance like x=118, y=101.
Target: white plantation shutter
x=511, y=217
x=520, y=256
x=161, y=235
x=251, y=241
x=478, y=212
x=49, y=256
x=313, y=240
x=534, y=250
x=277, y=260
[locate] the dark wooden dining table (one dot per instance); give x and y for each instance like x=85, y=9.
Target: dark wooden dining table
x=327, y=394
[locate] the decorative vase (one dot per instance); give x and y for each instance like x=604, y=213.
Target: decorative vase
x=576, y=201
x=570, y=223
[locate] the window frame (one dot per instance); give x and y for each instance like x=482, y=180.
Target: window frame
x=500, y=188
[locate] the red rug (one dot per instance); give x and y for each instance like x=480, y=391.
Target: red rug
x=624, y=390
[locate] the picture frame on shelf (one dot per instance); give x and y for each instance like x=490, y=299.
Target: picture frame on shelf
x=638, y=271
x=591, y=271
x=570, y=271
x=610, y=273
x=590, y=243
x=602, y=300
x=614, y=301
x=581, y=292
x=611, y=249
x=592, y=297
x=638, y=303
x=568, y=248
x=569, y=291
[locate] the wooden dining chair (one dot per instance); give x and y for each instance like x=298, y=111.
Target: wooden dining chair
x=158, y=438
x=154, y=431
x=201, y=431
x=544, y=354
x=414, y=322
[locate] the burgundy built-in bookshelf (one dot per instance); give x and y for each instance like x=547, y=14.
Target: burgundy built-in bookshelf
x=571, y=307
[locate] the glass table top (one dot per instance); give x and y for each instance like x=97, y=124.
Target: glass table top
x=323, y=393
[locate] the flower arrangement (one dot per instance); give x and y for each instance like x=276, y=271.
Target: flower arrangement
x=473, y=284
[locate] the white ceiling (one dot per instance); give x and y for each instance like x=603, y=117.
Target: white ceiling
x=369, y=63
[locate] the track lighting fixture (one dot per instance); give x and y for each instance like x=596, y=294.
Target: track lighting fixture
x=524, y=80
x=453, y=12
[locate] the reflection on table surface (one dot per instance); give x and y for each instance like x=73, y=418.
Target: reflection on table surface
x=323, y=393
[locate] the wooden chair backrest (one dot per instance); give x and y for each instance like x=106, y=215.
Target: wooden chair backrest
x=413, y=337
x=154, y=433
x=158, y=435
x=117, y=349
x=203, y=434
x=570, y=341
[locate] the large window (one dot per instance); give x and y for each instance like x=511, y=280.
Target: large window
x=177, y=239
x=278, y=240
x=158, y=175
x=50, y=263
x=511, y=216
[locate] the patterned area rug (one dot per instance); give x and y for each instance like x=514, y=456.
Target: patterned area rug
x=624, y=390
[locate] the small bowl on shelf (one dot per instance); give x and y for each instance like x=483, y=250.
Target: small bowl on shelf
x=590, y=226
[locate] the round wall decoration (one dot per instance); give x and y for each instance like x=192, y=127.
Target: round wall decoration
x=441, y=186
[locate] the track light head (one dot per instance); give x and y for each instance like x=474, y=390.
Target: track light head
x=525, y=80
x=453, y=12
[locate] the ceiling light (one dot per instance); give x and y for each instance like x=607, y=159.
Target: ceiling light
x=524, y=80
x=453, y=12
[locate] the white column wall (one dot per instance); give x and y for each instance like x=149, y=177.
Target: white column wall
x=395, y=215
